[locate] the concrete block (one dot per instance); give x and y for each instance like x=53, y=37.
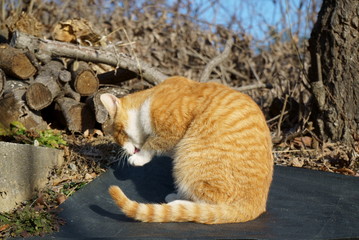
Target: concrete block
x=23, y=169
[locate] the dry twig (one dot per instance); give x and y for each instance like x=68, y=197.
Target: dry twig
x=217, y=60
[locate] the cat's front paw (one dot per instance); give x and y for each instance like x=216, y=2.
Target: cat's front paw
x=138, y=160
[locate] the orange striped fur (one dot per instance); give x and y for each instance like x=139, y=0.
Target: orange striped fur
x=221, y=146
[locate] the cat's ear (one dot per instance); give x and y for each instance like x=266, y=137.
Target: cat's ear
x=111, y=103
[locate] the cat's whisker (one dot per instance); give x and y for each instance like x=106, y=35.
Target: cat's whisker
x=122, y=158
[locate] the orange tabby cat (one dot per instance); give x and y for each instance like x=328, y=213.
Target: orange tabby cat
x=222, y=163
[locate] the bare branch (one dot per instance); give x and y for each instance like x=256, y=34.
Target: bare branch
x=61, y=49
x=217, y=60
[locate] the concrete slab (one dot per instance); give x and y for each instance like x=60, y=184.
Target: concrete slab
x=303, y=204
x=23, y=169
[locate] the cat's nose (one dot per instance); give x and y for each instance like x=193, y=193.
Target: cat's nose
x=136, y=150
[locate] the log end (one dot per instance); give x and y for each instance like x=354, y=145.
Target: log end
x=38, y=96
x=86, y=83
x=22, y=67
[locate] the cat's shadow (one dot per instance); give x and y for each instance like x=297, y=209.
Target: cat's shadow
x=149, y=183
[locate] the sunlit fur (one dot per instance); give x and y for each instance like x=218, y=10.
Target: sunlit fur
x=222, y=149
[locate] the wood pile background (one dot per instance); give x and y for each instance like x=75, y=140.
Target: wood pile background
x=59, y=80
x=27, y=88
x=40, y=89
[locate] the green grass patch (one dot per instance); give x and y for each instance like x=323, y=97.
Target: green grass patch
x=28, y=221
x=19, y=134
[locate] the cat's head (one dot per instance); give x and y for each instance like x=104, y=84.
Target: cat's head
x=119, y=115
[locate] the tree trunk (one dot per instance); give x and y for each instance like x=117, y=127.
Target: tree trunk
x=334, y=71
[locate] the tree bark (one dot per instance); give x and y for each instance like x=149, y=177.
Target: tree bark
x=2, y=82
x=334, y=71
x=12, y=84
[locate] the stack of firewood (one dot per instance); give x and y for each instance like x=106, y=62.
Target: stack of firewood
x=38, y=91
x=53, y=82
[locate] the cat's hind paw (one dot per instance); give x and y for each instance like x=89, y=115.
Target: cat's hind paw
x=171, y=197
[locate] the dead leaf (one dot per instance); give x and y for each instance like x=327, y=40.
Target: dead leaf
x=296, y=162
x=25, y=23
x=86, y=133
x=98, y=132
x=77, y=30
x=89, y=176
x=4, y=227
x=41, y=200
x=303, y=141
x=57, y=181
x=61, y=198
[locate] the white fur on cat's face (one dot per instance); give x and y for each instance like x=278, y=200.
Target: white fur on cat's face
x=132, y=135
x=137, y=130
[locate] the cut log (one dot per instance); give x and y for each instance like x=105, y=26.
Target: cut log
x=78, y=116
x=69, y=92
x=47, y=85
x=13, y=108
x=11, y=84
x=116, y=77
x=99, y=109
x=84, y=80
x=15, y=63
x=57, y=70
x=107, y=127
x=101, y=114
x=64, y=76
x=2, y=82
x=38, y=96
x=42, y=91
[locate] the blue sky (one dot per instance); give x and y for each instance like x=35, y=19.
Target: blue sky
x=253, y=17
x=256, y=16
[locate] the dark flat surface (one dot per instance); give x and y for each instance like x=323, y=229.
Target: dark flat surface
x=303, y=204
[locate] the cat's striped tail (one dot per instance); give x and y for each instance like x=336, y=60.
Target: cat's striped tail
x=180, y=211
